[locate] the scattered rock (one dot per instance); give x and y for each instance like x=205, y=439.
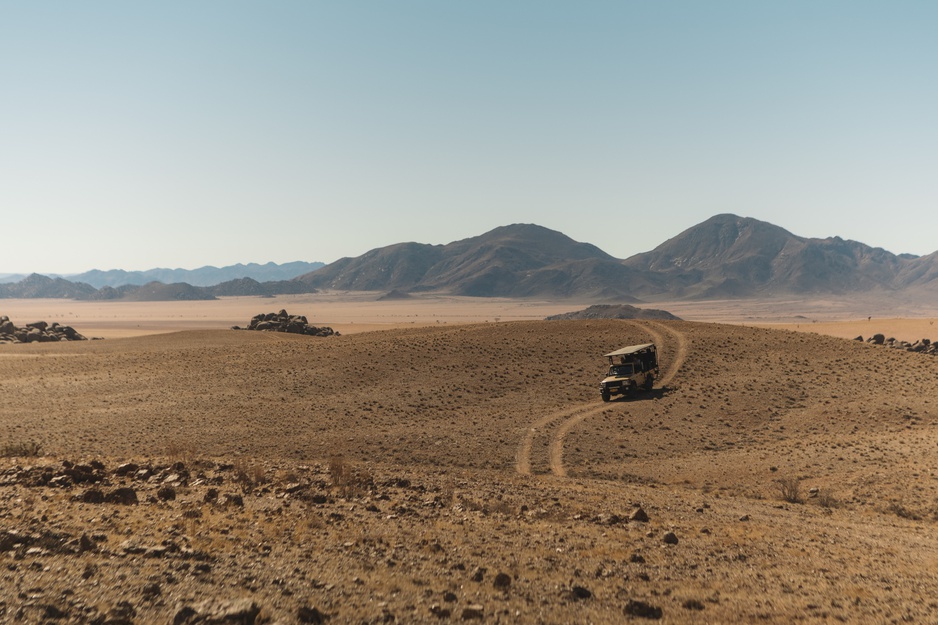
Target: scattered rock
x=474, y=611
x=132, y=547
x=121, y=614
x=580, y=593
x=639, y=515
x=50, y=611
x=124, y=495
x=234, y=499
x=642, y=609
x=92, y=495
x=152, y=590
x=307, y=614
x=220, y=612
x=670, y=538
x=502, y=581
x=128, y=468
x=86, y=543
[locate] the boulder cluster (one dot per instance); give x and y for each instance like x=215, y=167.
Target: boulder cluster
x=38, y=332
x=921, y=346
x=285, y=322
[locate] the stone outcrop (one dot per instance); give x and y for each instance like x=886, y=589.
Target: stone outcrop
x=921, y=346
x=285, y=322
x=38, y=332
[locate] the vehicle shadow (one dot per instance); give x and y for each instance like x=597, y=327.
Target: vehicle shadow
x=655, y=393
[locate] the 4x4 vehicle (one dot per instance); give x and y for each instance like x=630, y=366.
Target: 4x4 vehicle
x=630, y=368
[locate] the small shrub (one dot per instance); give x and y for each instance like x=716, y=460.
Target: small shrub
x=902, y=512
x=25, y=449
x=790, y=489
x=826, y=499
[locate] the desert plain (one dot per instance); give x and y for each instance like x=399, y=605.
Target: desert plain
x=450, y=460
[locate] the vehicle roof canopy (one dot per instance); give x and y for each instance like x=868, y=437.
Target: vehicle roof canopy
x=631, y=349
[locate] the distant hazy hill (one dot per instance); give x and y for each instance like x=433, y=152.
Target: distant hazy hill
x=38, y=286
x=203, y=276
x=172, y=284
x=520, y=260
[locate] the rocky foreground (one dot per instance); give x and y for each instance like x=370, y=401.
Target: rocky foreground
x=200, y=541
x=207, y=542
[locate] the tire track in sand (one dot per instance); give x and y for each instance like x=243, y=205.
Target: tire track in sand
x=680, y=350
x=555, y=451
x=523, y=456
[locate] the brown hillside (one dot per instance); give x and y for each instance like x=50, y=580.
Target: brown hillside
x=470, y=452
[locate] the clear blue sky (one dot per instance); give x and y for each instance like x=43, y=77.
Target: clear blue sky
x=179, y=134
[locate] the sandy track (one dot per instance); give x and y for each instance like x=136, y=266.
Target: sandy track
x=680, y=350
x=523, y=464
x=571, y=416
x=555, y=451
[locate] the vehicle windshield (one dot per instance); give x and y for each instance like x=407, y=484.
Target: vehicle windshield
x=621, y=370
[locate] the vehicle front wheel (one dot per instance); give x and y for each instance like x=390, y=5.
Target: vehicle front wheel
x=605, y=395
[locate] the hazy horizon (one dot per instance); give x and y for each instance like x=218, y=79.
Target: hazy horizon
x=181, y=135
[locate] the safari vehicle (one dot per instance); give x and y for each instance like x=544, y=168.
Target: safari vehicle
x=630, y=368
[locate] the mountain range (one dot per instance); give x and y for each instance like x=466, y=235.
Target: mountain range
x=203, y=276
x=726, y=256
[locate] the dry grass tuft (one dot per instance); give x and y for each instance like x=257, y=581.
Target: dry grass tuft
x=338, y=470
x=348, y=480
x=23, y=449
x=181, y=451
x=249, y=473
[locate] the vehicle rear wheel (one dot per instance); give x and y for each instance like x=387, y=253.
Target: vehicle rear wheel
x=649, y=381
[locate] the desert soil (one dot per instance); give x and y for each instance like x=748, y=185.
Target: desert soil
x=467, y=471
